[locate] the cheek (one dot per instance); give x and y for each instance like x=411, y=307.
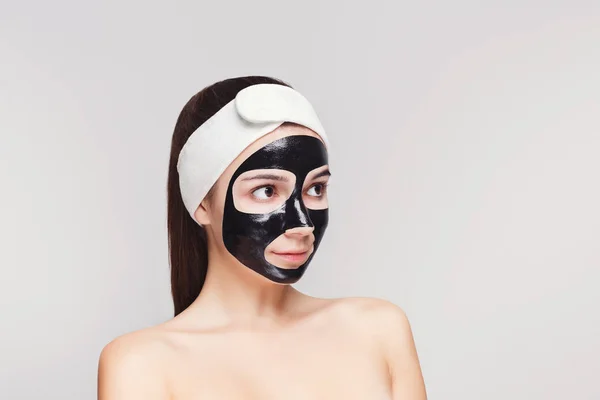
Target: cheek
x=216, y=228
x=216, y=213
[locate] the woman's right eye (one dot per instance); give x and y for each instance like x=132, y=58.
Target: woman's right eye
x=264, y=192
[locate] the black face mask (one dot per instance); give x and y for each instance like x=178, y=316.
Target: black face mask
x=246, y=236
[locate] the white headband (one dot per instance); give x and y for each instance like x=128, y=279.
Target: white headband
x=255, y=111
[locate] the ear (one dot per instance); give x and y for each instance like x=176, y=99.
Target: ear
x=201, y=214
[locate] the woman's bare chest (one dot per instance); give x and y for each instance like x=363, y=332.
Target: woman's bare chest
x=303, y=366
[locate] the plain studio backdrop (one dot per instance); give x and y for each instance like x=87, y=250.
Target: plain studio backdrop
x=465, y=159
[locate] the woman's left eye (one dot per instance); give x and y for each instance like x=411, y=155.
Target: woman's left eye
x=321, y=189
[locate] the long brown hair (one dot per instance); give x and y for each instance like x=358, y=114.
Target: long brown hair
x=188, y=252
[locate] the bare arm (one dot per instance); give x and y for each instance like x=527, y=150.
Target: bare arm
x=126, y=372
x=399, y=345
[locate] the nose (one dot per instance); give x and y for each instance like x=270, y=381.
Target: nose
x=300, y=230
x=296, y=216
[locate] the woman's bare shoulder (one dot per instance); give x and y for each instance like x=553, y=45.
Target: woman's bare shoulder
x=146, y=342
x=377, y=318
x=370, y=310
x=129, y=366
x=386, y=323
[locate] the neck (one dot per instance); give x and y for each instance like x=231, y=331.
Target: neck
x=234, y=294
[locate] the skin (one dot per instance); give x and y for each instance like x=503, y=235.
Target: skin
x=246, y=337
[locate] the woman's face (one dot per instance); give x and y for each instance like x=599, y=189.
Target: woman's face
x=269, y=209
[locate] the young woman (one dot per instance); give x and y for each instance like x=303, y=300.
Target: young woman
x=247, y=208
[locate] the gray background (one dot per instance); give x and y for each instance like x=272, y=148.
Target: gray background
x=465, y=160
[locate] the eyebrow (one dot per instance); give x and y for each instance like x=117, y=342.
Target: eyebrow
x=325, y=172
x=267, y=176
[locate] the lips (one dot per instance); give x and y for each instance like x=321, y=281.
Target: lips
x=293, y=255
x=291, y=252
